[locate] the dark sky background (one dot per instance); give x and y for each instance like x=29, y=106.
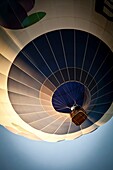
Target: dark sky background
x=89, y=152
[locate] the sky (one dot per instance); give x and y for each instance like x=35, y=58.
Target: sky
x=93, y=151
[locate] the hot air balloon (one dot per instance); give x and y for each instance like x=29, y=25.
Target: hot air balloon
x=57, y=74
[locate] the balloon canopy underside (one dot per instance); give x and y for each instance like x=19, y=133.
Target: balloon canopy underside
x=55, y=71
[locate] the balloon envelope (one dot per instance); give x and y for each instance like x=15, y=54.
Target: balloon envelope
x=50, y=66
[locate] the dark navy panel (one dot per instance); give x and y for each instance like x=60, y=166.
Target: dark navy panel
x=93, y=43
x=81, y=40
x=36, y=59
x=101, y=54
x=95, y=116
x=46, y=52
x=55, y=41
x=68, y=41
